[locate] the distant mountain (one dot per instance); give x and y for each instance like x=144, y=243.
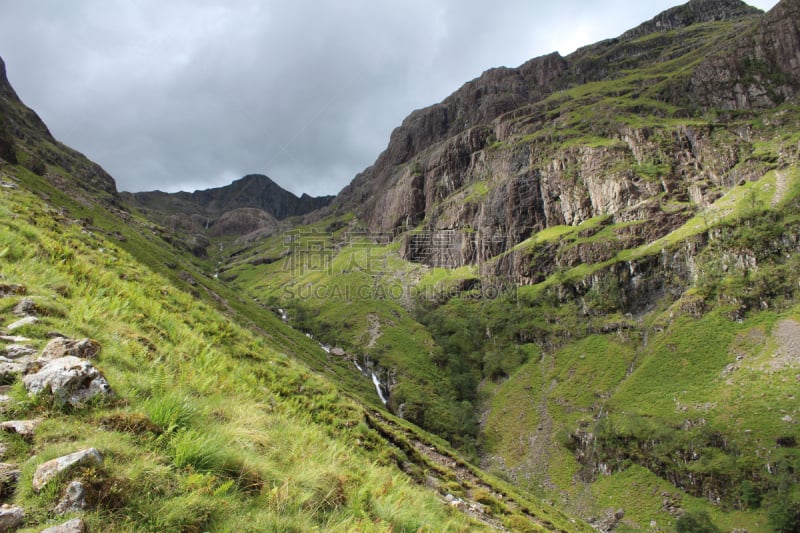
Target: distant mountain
x=253, y=206
x=254, y=191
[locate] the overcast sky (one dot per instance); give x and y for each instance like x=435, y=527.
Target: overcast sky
x=190, y=94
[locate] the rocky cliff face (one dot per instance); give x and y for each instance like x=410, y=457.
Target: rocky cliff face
x=519, y=150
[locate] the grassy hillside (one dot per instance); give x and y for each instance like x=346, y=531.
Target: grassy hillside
x=214, y=424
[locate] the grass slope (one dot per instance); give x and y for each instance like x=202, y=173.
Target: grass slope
x=214, y=426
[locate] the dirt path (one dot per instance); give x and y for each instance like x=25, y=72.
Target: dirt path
x=781, y=188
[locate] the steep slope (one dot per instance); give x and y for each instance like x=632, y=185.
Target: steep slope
x=584, y=272
x=25, y=139
x=200, y=410
x=556, y=131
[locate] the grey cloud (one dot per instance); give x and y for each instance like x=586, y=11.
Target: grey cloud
x=192, y=94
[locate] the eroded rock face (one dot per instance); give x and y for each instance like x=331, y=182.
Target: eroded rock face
x=71, y=380
x=47, y=471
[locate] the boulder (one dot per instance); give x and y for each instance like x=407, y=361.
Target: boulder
x=23, y=428
x=76, y=525
x=26, y=307
x=27, y=321
x=74, y=499
x=71, y=380
x=47, y=471
x=11, y=517
x=62, y=347
x=339, y=352
x=16, y=351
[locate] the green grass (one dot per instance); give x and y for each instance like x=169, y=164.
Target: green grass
x=211, y=423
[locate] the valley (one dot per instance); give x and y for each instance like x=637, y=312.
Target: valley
x=565, y=298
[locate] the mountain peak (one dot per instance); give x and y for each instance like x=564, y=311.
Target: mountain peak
x=251, y=191
x=694, y=12
x=254, y=178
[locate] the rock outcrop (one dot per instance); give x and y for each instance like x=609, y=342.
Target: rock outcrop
x=62, y=347
x=74, y=499
x=11, y=517
x=23, y=428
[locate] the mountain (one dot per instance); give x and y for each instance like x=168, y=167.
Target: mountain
x=580, y=275
x=702, y=55
x=140, y=393
x=253, y=191
x=25, y=139
x=250, y=208
x=582, y=272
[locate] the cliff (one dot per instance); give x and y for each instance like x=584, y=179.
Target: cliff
x=610, y=130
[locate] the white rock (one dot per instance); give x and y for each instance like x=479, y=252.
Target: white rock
x=76, y=525
x=74, y=499
x=71, y=380
x=27, y=321
x=51, y=469
x=15, y=351
x=13, y=338
x=61, y=347
x=23, y=428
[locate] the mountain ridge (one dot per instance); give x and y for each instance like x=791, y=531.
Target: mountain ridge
x=480, y=105
x=582, y=273
x=250, y=191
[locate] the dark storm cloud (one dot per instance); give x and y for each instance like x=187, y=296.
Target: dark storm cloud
x=193, y=94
